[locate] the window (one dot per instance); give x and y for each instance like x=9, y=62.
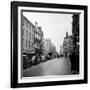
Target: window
x=26, y=34
x=26, y=24
x=29, y=44
x=29, y=35
x=35, y=35
x=26, y=44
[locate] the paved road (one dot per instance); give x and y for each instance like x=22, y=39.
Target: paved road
x=58, y=66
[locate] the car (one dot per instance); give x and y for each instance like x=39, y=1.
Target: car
x=25, y=61
x=33, y=59
x=47, y=57
x=43, y=58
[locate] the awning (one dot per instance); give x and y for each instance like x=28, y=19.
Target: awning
x=29, y=52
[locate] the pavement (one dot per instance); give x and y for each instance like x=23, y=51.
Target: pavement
x=58, y=66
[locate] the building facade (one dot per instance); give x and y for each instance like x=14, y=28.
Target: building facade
x=61, y=50
x=46, y=46
x=68, y=45
x=31, y=36
x=49, y=47
x=27, y=35
x=38, y=38
x=75, y=33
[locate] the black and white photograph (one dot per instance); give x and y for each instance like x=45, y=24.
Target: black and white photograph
x=50, y=43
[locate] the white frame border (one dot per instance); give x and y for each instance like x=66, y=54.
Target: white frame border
x=51, y=78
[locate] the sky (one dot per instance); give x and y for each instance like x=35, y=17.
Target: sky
x=54, y=26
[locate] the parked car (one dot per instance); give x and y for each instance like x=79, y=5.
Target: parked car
x=36, y=60
x=30, y=61
x=25, y=61
x=43, y=58
x=48, y=57
x=33, y=59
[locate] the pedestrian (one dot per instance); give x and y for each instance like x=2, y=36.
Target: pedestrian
x=71, y=56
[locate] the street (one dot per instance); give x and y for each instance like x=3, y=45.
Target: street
x=58, y=66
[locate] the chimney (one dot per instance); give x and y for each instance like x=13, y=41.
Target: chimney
x=36, y=24
x=66, y=34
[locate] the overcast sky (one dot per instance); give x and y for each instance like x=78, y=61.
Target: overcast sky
x=54, y=26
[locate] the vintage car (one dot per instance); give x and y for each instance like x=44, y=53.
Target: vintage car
x=25, y=61
x=43, y=58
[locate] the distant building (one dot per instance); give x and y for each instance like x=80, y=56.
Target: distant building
x=32, y=36
x=68, y=45
x=49, y=47
x=71, y=42
x=53, y=50
x=46, y=46
x=61, y=50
